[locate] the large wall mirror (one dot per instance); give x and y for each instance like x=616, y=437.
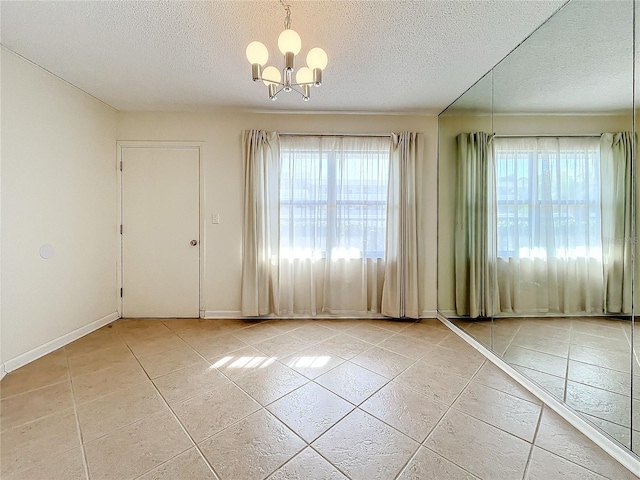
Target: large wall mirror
x=538, y=207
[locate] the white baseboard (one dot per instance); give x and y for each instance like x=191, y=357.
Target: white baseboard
x=233, y=314
x=622, y=455
x=3, y=372
x=226, y=314
x=42, y=350
x=222, y=314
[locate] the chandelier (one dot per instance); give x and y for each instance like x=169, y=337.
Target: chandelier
x=289, y=44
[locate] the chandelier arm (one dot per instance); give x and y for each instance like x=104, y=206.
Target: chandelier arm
x=296, y=90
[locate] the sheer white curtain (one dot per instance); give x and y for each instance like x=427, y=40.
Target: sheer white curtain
x=549, y=225
x=260, y=223
x=400, y=292
x=333, y=195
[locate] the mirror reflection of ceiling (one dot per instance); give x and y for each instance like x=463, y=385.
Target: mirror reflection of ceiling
x=579, y=62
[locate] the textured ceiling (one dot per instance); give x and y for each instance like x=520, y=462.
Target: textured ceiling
x=384, y=56
x=579, y=62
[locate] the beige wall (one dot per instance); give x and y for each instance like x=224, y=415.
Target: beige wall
x=450, y=126
x=58, y=188
x=222, y=170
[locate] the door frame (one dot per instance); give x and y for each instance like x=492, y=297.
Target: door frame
x=192, y=145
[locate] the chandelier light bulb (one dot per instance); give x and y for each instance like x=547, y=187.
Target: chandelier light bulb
x=271, y=75
x=304, y=75
x=289, y=41
x=317, y=58
x=257, y=53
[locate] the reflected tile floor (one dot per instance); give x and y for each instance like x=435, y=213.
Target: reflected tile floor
x=282, y=399
x=583, y=361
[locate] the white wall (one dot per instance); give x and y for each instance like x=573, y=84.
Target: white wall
x=222, y=164
x=58, y=187
x=451, y=126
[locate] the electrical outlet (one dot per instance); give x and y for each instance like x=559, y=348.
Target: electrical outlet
x=215, y=218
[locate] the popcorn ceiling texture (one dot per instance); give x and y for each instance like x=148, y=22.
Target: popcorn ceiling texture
x=384, y=56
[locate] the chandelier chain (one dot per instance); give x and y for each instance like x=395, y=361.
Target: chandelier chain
x=287, y=19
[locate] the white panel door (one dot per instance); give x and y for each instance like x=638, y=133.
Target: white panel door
x=160, y=236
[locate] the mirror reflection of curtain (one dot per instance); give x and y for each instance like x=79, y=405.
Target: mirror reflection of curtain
x=549, y=255
x=617, y=208
x=474, y=228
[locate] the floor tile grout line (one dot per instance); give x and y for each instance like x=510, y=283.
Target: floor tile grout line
x=173, y=458
x=599, y=388
x=451, y=461
x=580, y=465
x=497, y=427
x=533, y=443
x=304, y=442
x=478, y=382
x=538, y=351
x=598, y=366
x=566, y=376
x=603, y=419
x=435, y=427
x=351, y=410
x=34, y=420
x=262, y=407
x=184, y=429
x=85, y=462
x=329, y=461
x=379, y=374
x=408, y=462
x=67, y=367
x=32, y=390
x=452, y=406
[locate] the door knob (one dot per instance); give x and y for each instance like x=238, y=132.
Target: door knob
x=194, y=242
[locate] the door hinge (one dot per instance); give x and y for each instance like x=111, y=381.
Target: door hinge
x=120, y=293
x=120, y=229
x=121, y=166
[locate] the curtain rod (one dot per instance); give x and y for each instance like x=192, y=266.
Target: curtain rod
x=549, y=135
x=298, y=134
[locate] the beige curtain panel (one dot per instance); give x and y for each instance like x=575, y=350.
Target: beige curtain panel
x=400, y=291
x=260, y=234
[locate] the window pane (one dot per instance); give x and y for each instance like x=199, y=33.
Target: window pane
x=548, y=197
x=333, y=197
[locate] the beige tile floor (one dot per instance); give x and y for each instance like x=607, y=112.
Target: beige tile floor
x=585, y=362
x=281, y=399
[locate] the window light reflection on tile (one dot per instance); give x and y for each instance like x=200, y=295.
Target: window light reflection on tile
x=221, y=362
x=244, y=362
x=309, y=362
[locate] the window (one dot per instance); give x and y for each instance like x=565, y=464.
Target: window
x=333, y=197
x=548, y=197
